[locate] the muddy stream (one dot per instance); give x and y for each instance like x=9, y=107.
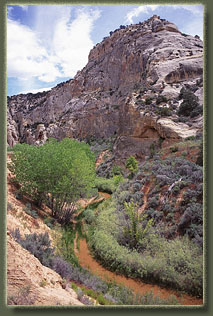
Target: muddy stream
x=87, y=261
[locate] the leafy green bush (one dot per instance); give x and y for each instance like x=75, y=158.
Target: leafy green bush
x=164, y=111
x=102, y=300
x=189, y=103
x=152, y=150
x=160, y=99
x=132, y=165
x=57, y=173
x=116, y=170
x=174, y=149
x=148, y=100
x=136, y=229
x=89, y=216
x=108, y=185
x=49, y=222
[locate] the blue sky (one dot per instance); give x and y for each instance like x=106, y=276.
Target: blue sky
x=48, y=44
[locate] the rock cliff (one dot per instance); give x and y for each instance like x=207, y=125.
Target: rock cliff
x=129, y=90
x=28, y=281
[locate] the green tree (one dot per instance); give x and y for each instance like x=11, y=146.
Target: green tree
x=57, y=174
x=132, y=165
x=189, y=104
x=136, y=229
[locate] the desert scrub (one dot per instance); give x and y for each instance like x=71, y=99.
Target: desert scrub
x=65, y=245
x=37, y=244
x=28, y=209
x=108, y=185
x=108, y=292
x=152, y=261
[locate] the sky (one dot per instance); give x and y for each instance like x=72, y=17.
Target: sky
x=48, y=44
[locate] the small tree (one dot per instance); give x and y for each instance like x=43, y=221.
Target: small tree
x=136, y=229
x=132, y=165
x=57, y=173
x=189, y=104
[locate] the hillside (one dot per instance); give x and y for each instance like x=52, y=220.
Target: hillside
x=129, y=91
x=138, y=106
x=28, y=281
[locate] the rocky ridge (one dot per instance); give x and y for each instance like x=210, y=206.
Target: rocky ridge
x=116, y=94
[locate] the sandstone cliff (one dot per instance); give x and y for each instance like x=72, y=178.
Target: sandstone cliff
x=28, y=281
x=116, y=93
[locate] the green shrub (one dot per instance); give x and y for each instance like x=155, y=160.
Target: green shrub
x=91, y=293
x=164, y=111
x=189, y=103
x=152, y=150
x=102, y=300
x=57, y=173
x=134, y=231
x=105, y=185
x=148, y=100
x=156, y=259
x=74, y=287
x=132, y=165
x=174, y=149
x=160, y=99
x=116, y=170
x=89, y=216
x=49, y=222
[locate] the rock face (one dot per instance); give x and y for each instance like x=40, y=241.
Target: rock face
x=26, y=276
x=108, y=97
x=45, y=285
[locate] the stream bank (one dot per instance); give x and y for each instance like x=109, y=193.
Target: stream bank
x=87, y=261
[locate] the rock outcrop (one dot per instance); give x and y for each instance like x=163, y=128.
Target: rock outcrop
x=25, y=271
x=28, y=281
x=109, y=96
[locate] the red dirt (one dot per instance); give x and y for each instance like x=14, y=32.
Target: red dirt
x=87, y=261
x=101, y=157
x=145, y=198
x=191, y=153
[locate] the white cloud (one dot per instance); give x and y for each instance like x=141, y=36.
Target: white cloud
x=72, y=42
x=60, y=50
x=195, y=9
x=137, y=11
x=23, y=7
x=25, y=54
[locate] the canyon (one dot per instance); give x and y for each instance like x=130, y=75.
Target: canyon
x=116, y=94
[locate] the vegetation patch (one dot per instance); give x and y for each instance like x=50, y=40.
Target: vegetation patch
x=57, y=174
x=106, y=293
